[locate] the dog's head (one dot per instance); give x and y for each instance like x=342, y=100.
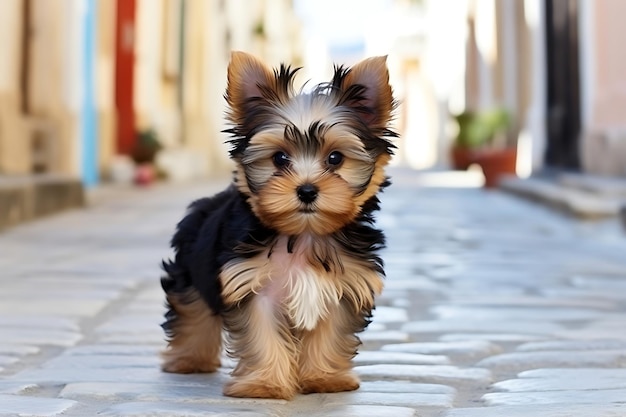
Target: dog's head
x=308, y=162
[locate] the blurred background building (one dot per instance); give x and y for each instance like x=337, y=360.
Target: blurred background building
x=88, y=86
x=81, y=79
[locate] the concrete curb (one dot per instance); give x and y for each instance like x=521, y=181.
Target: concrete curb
x=30, y=197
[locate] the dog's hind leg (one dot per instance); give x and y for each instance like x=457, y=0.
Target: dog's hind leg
x=195, y=335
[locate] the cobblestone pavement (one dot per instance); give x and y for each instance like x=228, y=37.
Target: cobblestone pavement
x=492, y=307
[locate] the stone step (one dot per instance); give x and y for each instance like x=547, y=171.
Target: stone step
x=24, y=198
x=611, y=187
x=574, y=195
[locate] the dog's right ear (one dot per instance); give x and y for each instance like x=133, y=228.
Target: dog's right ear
x=375, y=104
x=247, y=78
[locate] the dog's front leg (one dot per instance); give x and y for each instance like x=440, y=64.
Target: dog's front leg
x=327, y=352
x=260, y=337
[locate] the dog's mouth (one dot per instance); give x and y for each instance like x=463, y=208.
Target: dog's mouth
x=307, y=210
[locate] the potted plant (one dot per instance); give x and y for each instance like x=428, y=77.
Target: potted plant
x=146, y=147
x=472, y=135
x=483, y=139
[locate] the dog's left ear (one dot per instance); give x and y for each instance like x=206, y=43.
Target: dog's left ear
x=247, y=78
x=375, y=102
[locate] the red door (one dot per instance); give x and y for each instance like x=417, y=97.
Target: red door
x=124, y=80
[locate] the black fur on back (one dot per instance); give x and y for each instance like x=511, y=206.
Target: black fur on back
x=214, y=231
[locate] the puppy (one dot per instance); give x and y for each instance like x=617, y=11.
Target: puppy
x=285, y=259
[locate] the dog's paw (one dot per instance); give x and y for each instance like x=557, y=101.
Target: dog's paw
x=257, y=389
x=334, y=383
x=183, y=365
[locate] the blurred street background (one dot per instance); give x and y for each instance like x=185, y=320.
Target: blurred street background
x=99, y=92
x=506, y=267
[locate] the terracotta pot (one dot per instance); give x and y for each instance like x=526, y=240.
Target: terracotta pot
x=462, y=158
x=495, y=163
x=142, y=154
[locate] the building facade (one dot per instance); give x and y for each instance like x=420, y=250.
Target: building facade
x=80, y=78
x=557, y=66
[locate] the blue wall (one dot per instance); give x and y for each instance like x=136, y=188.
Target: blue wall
x=89, y=121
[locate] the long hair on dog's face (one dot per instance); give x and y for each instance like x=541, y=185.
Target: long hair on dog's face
x=308, y=162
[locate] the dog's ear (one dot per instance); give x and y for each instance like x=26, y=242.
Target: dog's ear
x=247, y=78
x=374, y=100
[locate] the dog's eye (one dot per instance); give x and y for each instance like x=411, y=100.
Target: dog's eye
x=335, y=158
x=281, y=159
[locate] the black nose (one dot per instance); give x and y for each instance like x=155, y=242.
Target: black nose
x=307, y=193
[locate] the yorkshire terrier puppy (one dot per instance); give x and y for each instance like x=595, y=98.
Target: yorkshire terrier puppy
x=285, y=259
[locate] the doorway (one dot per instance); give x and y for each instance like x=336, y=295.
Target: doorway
x=563, y=85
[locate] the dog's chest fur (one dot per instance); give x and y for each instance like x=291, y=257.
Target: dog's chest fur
x=287, y=279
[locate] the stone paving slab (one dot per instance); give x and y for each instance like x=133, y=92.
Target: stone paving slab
x=161, y=408
x=465, y=348
x=424, y=373
x=399, y=358
x=545, y=359
x=12, y=405
x=561, y=380
x=492, y=307
x=542, y=410
x=609, y=344
x=488, y=326
x=569, y=397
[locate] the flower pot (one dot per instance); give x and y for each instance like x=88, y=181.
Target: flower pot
x=462, y=157
x=495, y=163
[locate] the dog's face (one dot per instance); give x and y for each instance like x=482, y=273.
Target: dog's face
x=308, y=162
